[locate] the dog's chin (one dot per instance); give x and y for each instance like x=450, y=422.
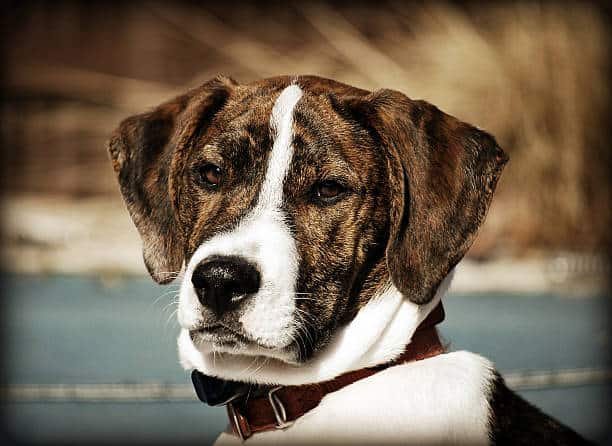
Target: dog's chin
x=225, y=341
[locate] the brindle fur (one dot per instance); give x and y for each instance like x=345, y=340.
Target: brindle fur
x=419, y=183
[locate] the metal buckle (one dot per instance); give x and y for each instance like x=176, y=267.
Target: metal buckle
x=235, y=421
x=279, y=409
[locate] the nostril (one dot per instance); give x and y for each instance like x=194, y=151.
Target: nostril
x=199, y=278
x=220, y=282
x=250, y=280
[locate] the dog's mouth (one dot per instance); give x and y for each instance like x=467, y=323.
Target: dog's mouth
x=220, y=336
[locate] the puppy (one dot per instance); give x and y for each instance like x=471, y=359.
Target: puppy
x=318, y=225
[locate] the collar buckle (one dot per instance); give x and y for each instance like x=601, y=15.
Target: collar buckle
x=280, y=413
x=240, y=423
x=243, y=430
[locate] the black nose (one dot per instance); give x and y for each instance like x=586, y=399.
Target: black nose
x=222, y=283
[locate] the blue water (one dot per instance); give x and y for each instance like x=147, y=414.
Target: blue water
x=82, y=330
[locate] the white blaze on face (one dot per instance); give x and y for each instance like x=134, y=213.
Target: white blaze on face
x=264, y=239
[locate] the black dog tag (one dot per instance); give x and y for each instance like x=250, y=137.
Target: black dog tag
x=217, y=392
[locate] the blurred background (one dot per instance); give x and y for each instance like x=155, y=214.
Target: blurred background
x=89, y=341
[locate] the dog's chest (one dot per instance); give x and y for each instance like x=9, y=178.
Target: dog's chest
x=439, y=400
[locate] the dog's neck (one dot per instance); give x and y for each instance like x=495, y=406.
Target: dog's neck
x=377, y=335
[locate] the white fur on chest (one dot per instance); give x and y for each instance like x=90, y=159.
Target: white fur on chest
x=441, y=400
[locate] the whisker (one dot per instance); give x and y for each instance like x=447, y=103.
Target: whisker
x=170, y=317
x=245, y=371
x=169, y=305
x=266, y=359
x=172, y=293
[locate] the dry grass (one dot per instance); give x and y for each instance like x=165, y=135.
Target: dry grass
x=532, y=74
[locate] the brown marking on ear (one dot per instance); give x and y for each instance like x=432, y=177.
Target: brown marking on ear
x=442, y=174
x=144, y=150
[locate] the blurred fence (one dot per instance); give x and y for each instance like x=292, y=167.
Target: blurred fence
x=533, y=74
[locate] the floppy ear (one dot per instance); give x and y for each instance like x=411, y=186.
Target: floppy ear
x=143, y=150
x=442, y=174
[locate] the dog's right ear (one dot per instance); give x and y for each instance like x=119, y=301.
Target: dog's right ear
x=442, y=174
x=143, y=151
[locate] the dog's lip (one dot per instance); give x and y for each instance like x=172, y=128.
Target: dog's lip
x=221, y=333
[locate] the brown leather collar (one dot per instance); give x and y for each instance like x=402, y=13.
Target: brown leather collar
x=280, y=406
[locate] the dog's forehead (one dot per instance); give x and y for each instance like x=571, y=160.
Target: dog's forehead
x=319, y=131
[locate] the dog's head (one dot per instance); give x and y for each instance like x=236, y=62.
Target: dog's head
x=293, y=202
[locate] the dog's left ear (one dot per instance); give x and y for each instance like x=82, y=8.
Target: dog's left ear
x=442, y=174
x=144, y=150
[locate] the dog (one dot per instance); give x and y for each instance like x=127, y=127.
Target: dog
x=317, y=226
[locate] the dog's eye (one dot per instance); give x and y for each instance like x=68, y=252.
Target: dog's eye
x=210, y=174
x=328, y=189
